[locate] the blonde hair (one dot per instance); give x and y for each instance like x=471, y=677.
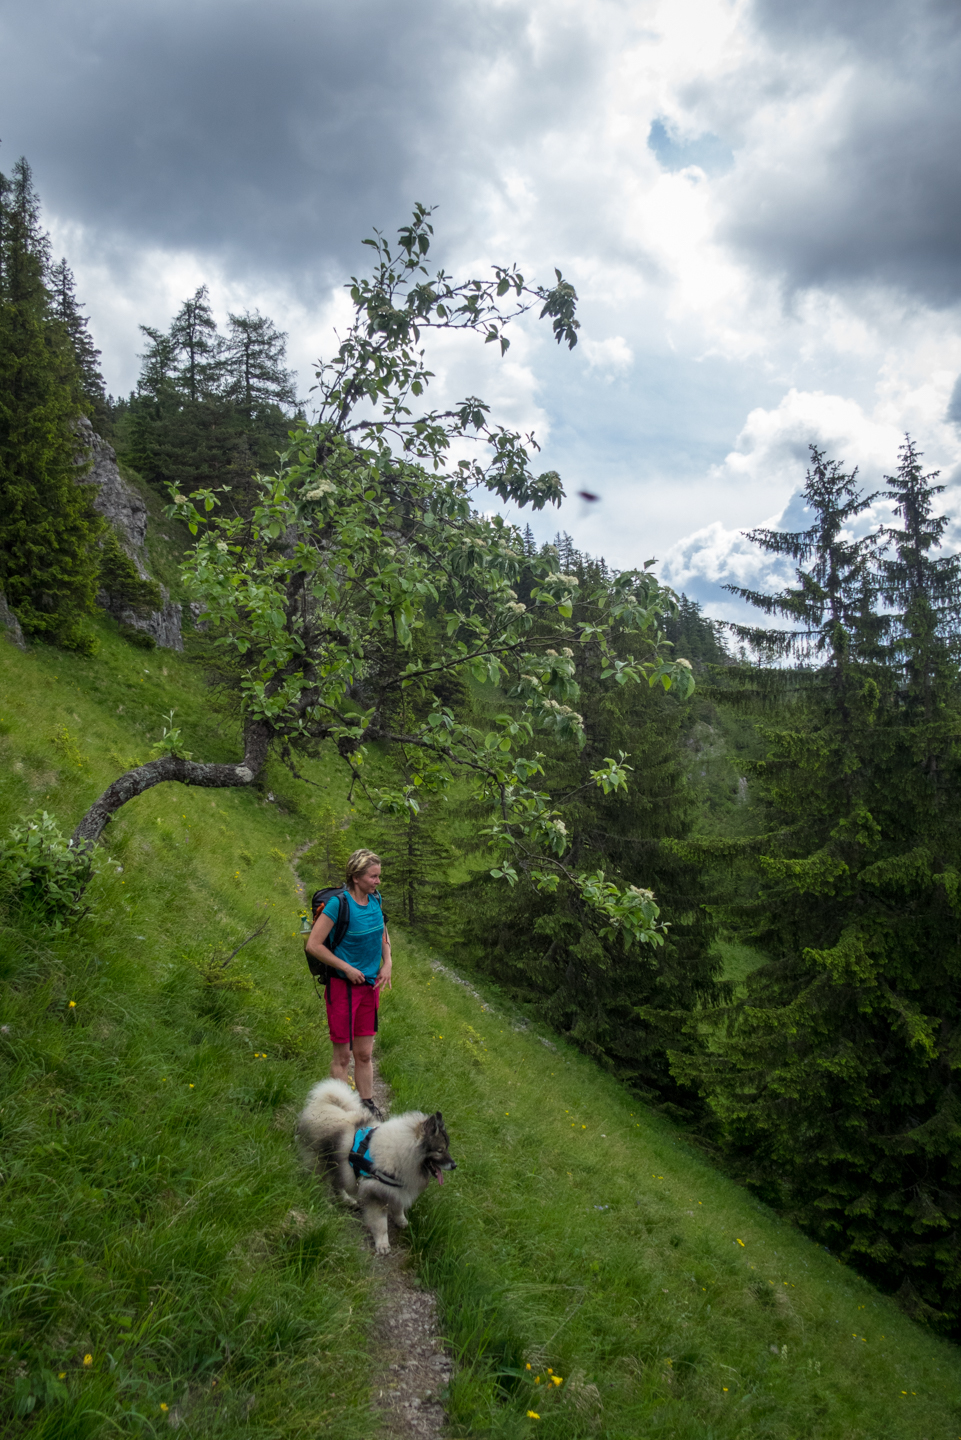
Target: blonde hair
x=359, y=863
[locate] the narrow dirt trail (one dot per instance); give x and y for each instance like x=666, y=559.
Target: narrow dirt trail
x=409, y=1367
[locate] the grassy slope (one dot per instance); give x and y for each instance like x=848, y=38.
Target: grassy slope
x=154, y=1216
x=166, y=1230
x=581, y=1233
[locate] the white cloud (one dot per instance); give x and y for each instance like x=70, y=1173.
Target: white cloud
x=714, y=348
x=611, y=355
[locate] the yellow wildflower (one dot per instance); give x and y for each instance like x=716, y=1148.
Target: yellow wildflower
x=62, y=1375
x=163, y=1406
x=533, y=1415
x=88, y=1359
x=558, y=1379
x=72, y=1005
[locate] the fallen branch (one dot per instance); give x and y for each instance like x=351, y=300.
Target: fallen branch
x=243, y=943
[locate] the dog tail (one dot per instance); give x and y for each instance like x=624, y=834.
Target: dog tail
x=338, y=1095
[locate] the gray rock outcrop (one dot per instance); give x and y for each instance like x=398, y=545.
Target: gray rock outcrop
x=9, y=624
x=115, y=500
x=127, y=513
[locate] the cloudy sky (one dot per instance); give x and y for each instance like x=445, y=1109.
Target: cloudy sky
x=758, y=201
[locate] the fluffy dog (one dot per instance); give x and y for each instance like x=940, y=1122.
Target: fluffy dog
x=398, y=1161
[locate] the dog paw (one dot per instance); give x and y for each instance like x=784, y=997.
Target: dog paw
x=401, y=1222
x=382, y=1247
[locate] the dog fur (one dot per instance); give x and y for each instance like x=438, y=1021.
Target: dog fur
x=410, y=1148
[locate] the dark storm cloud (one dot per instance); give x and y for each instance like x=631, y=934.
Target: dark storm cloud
x=271, y=135
x=875, y=195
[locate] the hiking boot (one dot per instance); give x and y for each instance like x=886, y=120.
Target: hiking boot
x=372, y=1109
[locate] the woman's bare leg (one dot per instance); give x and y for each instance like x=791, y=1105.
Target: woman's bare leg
x=363, y=1066
x=340, y=1062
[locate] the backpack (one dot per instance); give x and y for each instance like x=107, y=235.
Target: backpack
x=321, y=899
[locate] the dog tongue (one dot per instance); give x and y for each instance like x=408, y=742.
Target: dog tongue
x=440, y=1176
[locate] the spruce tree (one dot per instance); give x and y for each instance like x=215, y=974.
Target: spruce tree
x=66, y=308
x=208, y=412
x=197, y=346
x=48, y=527
x=833, y=1081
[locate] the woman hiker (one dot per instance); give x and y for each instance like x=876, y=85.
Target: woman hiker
x=360, y=969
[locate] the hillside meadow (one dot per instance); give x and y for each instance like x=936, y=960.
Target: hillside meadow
x=166, y=1261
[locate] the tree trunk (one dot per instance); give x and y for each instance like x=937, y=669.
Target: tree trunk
x=174, y=767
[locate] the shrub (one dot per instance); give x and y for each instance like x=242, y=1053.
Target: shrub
x=43, y=872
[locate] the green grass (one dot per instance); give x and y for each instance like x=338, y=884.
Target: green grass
x=153, y=1215
x=580, y=1232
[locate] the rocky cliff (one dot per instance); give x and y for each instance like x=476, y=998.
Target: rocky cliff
x=119, y=504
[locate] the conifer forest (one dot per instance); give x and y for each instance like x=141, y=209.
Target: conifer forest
x=722, y=860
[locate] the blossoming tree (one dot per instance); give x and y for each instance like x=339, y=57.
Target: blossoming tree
x=364, y=581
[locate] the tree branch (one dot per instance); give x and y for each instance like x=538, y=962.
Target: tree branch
x=174, y=767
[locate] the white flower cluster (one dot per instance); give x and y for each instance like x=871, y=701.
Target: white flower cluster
x=323, y=487
x=517, y=607
x=563, y=710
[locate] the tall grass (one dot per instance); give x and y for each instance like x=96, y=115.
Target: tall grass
x=581, y=1235
x=163, y=1256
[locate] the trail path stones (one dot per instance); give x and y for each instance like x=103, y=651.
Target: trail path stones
x=409, y=1367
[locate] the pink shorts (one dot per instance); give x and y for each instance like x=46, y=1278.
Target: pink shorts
x=351, y=1010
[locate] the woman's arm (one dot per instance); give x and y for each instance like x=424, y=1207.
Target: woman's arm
x=384, y=973
x=315, y=946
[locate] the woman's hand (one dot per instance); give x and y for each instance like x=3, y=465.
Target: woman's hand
x=383, y=975
x=356, y=977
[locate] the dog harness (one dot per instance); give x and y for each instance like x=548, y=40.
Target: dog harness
x=361, y=1163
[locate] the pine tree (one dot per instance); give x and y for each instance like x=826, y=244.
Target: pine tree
x=833, y=1081
x=197, y=346
x=694, y=636
x=923, y=589
x=253, y=364
x=48, y=527
x=208, y=412
x=832, y=604
x=66, y=309
x=568, y=557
